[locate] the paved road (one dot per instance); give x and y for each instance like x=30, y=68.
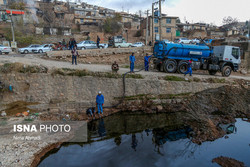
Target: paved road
x=36, y=60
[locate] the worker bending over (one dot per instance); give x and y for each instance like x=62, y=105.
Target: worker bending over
x=146, y=61
x=132, y=62
x=99, y=103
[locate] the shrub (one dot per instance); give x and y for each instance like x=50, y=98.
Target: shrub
x=174, y=78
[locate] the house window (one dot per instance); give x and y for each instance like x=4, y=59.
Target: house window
x=156, y=30
x=81, y=20
x=168, y=30
x=156, y=20
x=168, y=20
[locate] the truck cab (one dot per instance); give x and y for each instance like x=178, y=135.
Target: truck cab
x=229, y=55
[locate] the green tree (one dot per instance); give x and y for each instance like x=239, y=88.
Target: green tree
x=112, y=24
x=17, y=5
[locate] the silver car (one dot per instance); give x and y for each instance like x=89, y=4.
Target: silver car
x=29, y=49
x=4, y=49
x=90, y=45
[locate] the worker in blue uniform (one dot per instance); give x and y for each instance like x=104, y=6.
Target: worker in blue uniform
x=99, y=103
x=146, y=61
x=189, y=68
x=132, y=62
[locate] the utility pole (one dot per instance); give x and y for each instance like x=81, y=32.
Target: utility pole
x=12, y=28
x=147, y=29
x=152, y=24
x=160, y=19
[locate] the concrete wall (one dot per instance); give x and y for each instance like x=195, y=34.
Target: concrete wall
x=81, y=91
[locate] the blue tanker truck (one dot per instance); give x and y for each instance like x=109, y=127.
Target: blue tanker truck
x=173, y=57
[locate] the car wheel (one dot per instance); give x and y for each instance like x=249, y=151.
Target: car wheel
x=40, y=51
x=226, y=71
x=129, y=46
x=26, y=51
x=83, y=48
x=170, y=66
x=101, y=47
x=0, y=52
x=119, y=46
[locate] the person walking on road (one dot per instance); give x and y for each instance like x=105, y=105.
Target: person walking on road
x=99, y=103
x=132, y=63
x=98, y=42
x=189, y=68
x=146, y=61
x=74, y=55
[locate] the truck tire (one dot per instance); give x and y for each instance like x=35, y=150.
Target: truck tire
x=212, y=72
x=182, y=67
x=226, y=71
x=170, y=66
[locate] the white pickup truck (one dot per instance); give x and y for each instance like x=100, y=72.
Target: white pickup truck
x=123, y=44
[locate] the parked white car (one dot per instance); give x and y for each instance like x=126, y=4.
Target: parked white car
x=4, y=49
x=138, y=44
x=195, y=41
x=167, y=41
x=90, y=45
x=123, y=44
x=29, y=49
x=183, y=41
x=43, y=48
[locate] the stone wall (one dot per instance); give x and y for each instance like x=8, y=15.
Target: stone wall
x=81, y=91
x=100, y=52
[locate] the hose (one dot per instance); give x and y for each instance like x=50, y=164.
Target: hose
x=124, y=87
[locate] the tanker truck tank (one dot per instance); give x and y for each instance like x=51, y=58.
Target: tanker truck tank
x=181, y=51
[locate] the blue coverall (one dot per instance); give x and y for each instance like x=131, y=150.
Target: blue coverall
x=132, y=63
x=146, y=62
x=189, y=69
x=99, y=103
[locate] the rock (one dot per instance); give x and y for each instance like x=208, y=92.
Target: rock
x=228, y=162
x=3, y=114
x=159, y=108
x=243, y=71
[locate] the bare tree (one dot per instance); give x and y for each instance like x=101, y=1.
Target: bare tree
x=229, y=22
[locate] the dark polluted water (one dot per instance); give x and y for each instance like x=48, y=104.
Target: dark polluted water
x=140, y=140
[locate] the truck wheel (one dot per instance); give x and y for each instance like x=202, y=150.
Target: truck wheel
x=182, y=67
x=170, y=66
x=226, y=71
x=212, y=72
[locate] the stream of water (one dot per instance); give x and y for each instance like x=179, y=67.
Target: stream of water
x=128, y=140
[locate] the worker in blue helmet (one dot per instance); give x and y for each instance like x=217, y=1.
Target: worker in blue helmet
x=189, y=68
x=99, y=103
x=132, y=62
x=146, y=61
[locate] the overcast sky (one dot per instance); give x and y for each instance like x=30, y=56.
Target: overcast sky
x=209, y=11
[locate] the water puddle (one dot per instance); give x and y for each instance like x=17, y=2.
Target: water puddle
x=149, y=140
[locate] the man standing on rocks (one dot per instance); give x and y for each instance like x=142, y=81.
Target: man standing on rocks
x=99, y=103
x=132, y=63
x=98, y=42
x=146, y=61
x=74, y=55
